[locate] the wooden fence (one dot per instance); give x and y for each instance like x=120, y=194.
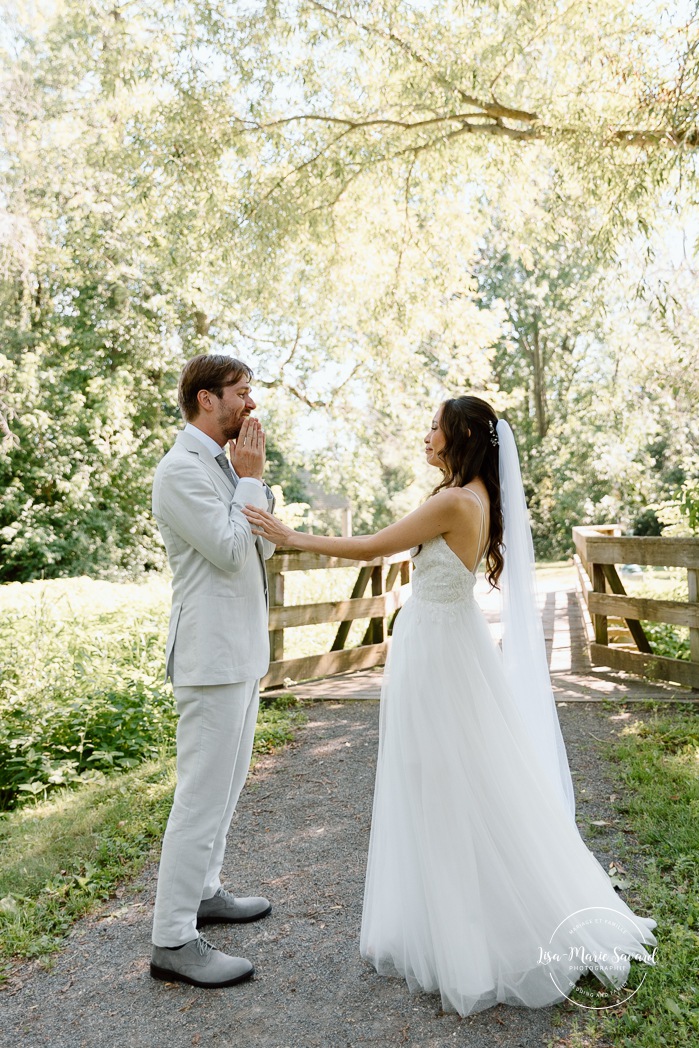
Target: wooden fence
x=390, y=585
x=599, y=550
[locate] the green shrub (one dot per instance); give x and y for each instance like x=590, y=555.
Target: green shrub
x=81, y=689
x=66, y=739
x=670, y=641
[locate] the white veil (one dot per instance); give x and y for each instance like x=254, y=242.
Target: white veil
x=523, y=645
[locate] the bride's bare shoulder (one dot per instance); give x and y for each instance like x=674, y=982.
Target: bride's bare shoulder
x=474, y=502
x=465, y=506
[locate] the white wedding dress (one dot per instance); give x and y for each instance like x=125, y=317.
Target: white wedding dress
x=476, y=869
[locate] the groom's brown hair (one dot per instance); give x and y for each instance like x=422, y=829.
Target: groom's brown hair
x=210, y=371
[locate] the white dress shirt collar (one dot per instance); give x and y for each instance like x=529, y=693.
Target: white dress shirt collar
x=208, y=442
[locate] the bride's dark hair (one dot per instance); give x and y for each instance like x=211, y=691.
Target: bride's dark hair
x=471, y=451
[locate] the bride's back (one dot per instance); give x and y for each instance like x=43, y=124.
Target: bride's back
x=469, y=539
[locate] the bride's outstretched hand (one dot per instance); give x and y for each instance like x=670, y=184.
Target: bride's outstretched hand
x=268, y=526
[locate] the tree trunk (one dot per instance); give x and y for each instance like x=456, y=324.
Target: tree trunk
x=538, y=357
x=202, y=322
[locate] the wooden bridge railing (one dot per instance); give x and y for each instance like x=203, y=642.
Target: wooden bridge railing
x=599, y=550
x=387, y=597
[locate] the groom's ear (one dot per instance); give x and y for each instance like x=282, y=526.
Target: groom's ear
x=205, y=400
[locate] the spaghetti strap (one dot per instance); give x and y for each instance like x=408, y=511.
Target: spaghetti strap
x=480, y=530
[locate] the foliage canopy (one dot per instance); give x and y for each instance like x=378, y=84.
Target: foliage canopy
x=376, y=203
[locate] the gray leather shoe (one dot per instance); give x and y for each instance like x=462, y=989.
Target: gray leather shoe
x=199, y=963
x=224, y=908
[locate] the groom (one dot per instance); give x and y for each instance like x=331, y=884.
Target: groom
x=217, y=650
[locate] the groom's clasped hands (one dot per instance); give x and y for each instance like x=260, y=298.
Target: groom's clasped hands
x=247, y=450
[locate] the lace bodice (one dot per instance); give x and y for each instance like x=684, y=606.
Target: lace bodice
x=440, y=576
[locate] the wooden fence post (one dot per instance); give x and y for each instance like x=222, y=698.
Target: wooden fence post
x=693, y=598
x=599, y=621
x=377, y=626
x=276, y=600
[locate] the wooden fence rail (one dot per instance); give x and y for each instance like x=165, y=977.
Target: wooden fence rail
x=387, y=597
x=599, y=550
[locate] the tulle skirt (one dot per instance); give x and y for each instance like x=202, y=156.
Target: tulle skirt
x=479, y=886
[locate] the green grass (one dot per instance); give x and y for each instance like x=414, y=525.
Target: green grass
x=555, y=567
x=61, y=857
x=658, y=761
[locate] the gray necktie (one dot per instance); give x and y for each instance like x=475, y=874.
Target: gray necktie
x=226, y=467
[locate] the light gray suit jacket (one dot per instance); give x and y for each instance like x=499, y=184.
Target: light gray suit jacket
x=218, y=624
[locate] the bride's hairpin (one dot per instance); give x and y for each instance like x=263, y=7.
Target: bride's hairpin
x=493, y=435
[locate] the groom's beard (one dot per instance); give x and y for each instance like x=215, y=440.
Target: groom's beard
x=231, y=430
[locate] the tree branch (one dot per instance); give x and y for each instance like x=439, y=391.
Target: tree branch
x=278, y=383
x=471, y=124
x=9, y=439
x=281, y=382
x=492, y=109
x=253, y=338
x=296, y=170
x=407, y=234
x=361, y=124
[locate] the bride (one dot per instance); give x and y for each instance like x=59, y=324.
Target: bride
x=478, y=883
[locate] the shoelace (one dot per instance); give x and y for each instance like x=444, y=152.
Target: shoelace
x=204, y=946
x=225, y=895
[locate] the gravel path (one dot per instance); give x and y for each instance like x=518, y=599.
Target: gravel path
x=303, y=821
